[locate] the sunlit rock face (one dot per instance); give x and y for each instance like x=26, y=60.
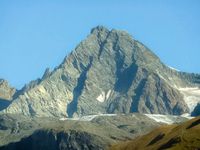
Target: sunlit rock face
x=6, y=94
x=108, y=72
x=6, y=91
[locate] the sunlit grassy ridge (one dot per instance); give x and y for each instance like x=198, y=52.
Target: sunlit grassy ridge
x=170, y=137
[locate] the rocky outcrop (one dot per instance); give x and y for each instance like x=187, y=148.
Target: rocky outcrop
x=6, y=91
x=109, y=72
x=6, y=94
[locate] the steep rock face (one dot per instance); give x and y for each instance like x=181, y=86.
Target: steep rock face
x=109, y=72
x=4, y=104
x=6, y=91
x=6, y=94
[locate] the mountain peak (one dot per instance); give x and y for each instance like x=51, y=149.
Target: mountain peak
x=108, y=72
x=99, y=28
x=102, y=29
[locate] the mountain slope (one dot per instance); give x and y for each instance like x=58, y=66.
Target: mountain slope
x=185, y=136
x=109, y=72
x=89, y=132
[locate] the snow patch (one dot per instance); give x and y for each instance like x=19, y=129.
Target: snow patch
x=101, y=97
x=161, y=76
x=162, y=118
x=87, y=118
x=167, y=119
x=191, y=96
x=108, y=94
x=104, y=96
x=187, y=115
x=174, y=68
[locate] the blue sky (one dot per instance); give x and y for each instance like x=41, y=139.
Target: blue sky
x=36, y=34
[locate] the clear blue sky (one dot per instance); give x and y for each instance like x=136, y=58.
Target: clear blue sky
x=36, y=34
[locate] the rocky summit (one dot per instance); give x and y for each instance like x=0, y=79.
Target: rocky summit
x=108, y=72
x=6, y=94
x=6, y=91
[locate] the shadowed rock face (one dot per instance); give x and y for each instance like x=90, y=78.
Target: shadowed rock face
x=108, y=72
x=4, y=104
x=72, y=140
x=196, y=111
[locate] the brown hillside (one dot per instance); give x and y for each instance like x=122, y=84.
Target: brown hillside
x=185, y=136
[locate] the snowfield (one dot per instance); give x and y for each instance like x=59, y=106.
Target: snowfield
x=160, y=118
x=87, y=118
x=191, y=96
x=166, y=119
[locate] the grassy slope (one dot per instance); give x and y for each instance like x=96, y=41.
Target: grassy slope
x=170, y=137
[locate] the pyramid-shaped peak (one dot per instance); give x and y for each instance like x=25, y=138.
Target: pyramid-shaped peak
x=108, y=72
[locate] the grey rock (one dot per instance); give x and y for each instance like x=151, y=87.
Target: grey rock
x=6, y=91
x=6, y=94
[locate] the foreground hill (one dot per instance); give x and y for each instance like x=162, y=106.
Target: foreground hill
x=185, y=136
x=96, y=132
x=108, y=72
